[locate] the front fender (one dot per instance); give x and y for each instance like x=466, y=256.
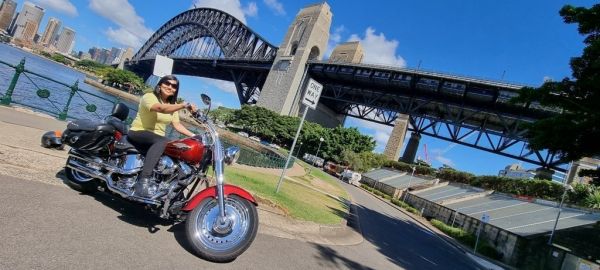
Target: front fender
x=212, y=192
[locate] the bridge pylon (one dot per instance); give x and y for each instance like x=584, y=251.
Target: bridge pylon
x=305, y=40
x=396, y=140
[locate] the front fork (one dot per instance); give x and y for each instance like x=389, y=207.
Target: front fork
x=222, y=224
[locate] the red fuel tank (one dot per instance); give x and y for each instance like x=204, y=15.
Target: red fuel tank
x=188, y=149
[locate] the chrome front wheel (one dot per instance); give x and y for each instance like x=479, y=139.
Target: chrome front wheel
x=222, y=239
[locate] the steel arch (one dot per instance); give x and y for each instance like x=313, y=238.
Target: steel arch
x=234, y=39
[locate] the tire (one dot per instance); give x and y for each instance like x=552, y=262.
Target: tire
x=222, y=247
x=80, y=182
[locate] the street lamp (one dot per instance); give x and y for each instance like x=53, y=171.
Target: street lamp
x=298, y=153
x=409, y=182
x=562, y=200
x=318, y=148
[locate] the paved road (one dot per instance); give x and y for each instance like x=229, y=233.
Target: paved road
x=53, y=227
x=392, y=234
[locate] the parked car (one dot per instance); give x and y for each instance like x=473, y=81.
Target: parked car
x=243, y=134
x=274, y=146
x=254, y=138
x=351, y=177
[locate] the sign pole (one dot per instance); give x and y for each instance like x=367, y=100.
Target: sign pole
x=310, y=100
x=291, y=149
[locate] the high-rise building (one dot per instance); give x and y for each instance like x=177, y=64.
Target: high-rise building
x=103, y=56
x=51, y=32
x=66, y=40
x=27, y=22
x=115, y=55
x=7, y=12
x=94, y=53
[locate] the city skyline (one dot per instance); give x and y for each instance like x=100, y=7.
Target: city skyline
x=510, y=41
x=24, y=25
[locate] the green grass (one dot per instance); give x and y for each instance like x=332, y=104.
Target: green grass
x=299, y=201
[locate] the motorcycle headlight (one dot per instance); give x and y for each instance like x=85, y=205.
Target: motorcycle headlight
x=232, y=153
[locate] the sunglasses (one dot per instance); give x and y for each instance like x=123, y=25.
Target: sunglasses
x=167, y=83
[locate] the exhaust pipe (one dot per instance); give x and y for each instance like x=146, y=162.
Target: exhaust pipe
x=107, y=178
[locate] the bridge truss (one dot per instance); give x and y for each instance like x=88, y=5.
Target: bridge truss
x=468, y=112
x=210, y=43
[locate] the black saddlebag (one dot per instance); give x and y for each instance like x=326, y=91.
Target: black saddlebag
x=88, y=135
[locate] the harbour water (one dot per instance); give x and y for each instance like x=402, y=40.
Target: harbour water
x=25, y=93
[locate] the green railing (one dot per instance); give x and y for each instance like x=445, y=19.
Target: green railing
x=255, y=158
x=75, y=103
x=63, y=100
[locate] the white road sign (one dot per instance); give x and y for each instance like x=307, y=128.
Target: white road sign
x=312, y=94
x=485, y=218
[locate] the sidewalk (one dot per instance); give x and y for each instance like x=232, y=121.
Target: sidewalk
x=22, y=156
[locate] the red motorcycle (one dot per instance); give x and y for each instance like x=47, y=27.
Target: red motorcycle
x=221, y=220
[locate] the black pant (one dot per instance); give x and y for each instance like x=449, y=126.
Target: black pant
x=153, y=143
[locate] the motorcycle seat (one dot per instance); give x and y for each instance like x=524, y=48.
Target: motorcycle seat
x=124, y=146
x=118, y=124
x=90, y=125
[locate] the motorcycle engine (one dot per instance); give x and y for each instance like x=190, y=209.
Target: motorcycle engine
x=165, y=173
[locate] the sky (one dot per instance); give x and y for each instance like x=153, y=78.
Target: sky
x=524, y=42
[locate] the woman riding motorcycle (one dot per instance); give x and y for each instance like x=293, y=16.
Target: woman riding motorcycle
x=156, y=110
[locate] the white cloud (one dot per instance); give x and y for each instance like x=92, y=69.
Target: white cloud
x=547, y=79
x=233, y=7
x=131, y=32
x=378, y=49
x=380, y=132
x=225, y=86
x=63, y=6
x=251, y=10
x=438, y=155
x=275, y=6
x=123, y=36
x=334, y=39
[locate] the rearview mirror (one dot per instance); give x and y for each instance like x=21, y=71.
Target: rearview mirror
x=205, y=99
x=232, y=154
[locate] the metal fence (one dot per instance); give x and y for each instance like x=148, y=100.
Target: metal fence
x=255, y=158
x=45, y=94
x=69, y=101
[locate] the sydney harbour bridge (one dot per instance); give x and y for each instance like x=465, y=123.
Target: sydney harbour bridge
x=473, y=112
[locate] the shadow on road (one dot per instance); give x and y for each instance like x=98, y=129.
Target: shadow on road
x=407, y=244
x=334, y=260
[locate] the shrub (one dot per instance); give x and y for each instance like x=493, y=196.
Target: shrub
x=467, y=239
x=593, y=199
x=455, y=176
x=406, y=206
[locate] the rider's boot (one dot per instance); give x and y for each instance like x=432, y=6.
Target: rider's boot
x=141, y=187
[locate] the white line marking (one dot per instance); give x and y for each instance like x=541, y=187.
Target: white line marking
x=541, y=222
x=427, y=260
x=528, y=212
x=494, y=209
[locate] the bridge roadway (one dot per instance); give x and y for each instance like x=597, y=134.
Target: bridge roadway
x=46, y=225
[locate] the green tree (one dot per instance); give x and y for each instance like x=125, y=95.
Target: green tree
x=574, y=133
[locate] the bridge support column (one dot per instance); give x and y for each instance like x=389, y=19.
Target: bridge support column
x=305, y=40
x=411, y=148
x=396, y=140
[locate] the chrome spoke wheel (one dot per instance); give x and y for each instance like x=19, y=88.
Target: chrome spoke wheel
x=219, y=239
